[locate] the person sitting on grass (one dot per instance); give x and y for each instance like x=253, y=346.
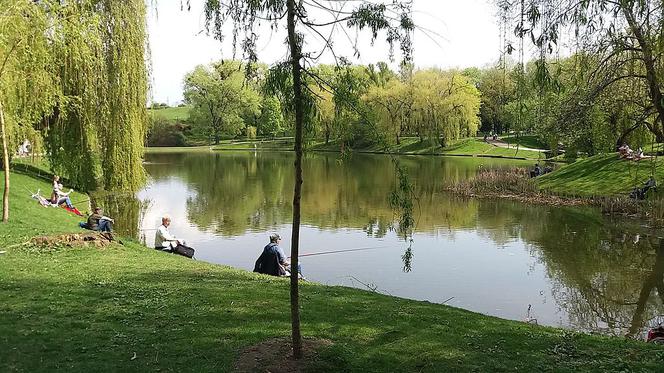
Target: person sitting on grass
x=273, y=261
x=639, y=155
x=98, y=222
x=165, y=241
x=58, y=196
x=537, y=171
x=625, y=152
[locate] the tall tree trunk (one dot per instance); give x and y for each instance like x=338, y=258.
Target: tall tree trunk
x=297, y=192
x=650, y=282
x=5, y=163
x=656, y=96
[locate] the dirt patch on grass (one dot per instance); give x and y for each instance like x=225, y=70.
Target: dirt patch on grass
x=94, y=239
x=276, y=356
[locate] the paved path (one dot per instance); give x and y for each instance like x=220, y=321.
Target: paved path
x=502, y=144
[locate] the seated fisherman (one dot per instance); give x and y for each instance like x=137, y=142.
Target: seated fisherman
x=273, y=261
x=165, y=241
x=640, y=193
x=98, y=222
x=537, y=171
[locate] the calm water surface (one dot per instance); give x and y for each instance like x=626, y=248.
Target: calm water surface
x=571, y=267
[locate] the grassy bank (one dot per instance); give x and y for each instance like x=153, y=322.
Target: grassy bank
x=600, y=175
x=527, y=141
x=171, y=113
x=133, y=309
x=129, y=308
x=408, y=146
x=27, y=218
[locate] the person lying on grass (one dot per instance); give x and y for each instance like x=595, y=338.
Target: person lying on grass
x=98, y=222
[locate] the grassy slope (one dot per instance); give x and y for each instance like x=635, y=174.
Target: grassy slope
x=470, y=147
x=93, y=309
x=528, y=141
x=479, y=147
x=171, y=113
x=28, y=219
x=602, y=174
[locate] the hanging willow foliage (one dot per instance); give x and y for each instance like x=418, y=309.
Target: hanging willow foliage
x=95, y=135
x=27, y=84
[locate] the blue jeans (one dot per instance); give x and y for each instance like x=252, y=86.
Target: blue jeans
x=66, y=201
x=299, y=269
x=105, y=226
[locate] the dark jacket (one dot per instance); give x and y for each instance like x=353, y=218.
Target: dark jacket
x=268, y=263
x=93, y=221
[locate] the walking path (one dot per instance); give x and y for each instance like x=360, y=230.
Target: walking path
x=502, y=144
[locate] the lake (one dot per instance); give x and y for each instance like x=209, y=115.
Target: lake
x=561, y=266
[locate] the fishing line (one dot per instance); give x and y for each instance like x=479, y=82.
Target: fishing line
x=343, y=251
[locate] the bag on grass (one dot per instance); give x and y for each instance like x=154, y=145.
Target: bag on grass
x=183, y=250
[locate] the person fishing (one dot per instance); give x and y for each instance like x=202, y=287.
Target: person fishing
x=273, y=261
x=98, y=222
x=165, y=241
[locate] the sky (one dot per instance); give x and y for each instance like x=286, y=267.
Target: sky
x=451, y=34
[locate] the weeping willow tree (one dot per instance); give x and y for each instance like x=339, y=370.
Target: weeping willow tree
x=76, y=70
x=27, y=82
x=95, y=135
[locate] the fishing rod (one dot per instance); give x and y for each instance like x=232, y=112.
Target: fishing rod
x=342, y=251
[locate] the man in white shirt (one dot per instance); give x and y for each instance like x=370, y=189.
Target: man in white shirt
x=163, y=239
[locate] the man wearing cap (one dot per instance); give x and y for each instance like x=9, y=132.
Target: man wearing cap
x=273, y=261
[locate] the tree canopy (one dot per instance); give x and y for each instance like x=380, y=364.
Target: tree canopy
x=76, y=71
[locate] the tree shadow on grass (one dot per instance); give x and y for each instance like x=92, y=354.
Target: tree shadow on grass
x=198, y=317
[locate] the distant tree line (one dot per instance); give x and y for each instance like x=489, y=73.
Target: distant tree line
x=375, y=105
x=354, y=105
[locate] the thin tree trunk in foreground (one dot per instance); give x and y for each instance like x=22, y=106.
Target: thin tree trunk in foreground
x=297, y=192
x=5, y=163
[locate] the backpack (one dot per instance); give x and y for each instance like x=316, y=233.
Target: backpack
x=184, y=251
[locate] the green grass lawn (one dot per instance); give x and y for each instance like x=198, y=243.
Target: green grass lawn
x=171, y=113
x=528, y=141
x=129, y=308
x=475, y=146
x=600, y=175
x=177, y=149
x=27, y=218
x=95, y=309
x=285, y=143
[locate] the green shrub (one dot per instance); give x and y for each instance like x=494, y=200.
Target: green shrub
x=166, y=133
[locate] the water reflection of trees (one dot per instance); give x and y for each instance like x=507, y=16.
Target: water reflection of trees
x=239, y=192
x=124, y=208
x=602, y=278
x=603, y=272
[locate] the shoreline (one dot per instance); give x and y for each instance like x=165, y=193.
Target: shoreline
x=214, y=148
